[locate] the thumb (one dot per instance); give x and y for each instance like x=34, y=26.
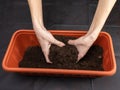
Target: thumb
x=71, y=42
x=46, y=53
x=47, y=59
x=45, y=48
x=58, y=43
x=80, y=56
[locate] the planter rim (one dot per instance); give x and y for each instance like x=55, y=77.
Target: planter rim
x=59, y=71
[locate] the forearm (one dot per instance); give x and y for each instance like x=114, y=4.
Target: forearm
x=36, y=12
x=102, y=12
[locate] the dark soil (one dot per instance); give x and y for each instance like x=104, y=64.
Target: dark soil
x=63, y=58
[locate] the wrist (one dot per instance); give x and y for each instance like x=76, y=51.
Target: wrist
x=38, y=26
x=93, y=36
x=37, y=23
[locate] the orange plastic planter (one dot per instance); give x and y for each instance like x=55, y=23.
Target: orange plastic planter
x=22, y=39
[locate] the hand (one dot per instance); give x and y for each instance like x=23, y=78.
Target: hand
x=45, y=39
x=82, y=44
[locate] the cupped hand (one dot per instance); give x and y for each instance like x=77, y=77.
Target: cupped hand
x=45, y=39
x=82, y=44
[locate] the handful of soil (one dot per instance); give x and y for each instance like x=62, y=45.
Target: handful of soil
x=63, y=57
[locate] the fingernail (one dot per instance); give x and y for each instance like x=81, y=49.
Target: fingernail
x=80, y=56
x=77, y=61
x=47, y=59
x=49, y=62
x=71, y=42
x=61, y=44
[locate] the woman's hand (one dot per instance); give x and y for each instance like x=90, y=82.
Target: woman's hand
x=82, y=44
x=45, y=39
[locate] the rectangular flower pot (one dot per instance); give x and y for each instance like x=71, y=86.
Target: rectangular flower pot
x=22, y=39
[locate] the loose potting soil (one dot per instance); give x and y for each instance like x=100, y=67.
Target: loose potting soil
x=63, y=57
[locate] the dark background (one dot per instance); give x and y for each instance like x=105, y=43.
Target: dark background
x=58, y=14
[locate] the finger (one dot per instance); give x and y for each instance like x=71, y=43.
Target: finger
x=71, y=42
x=75, y=42
x=80, y=56
x=49, y=37
x=58, y=43
x=47, y=59
x=46, y=53
x=49, y=45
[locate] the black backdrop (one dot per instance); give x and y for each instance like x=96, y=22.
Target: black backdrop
x=58, y=14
